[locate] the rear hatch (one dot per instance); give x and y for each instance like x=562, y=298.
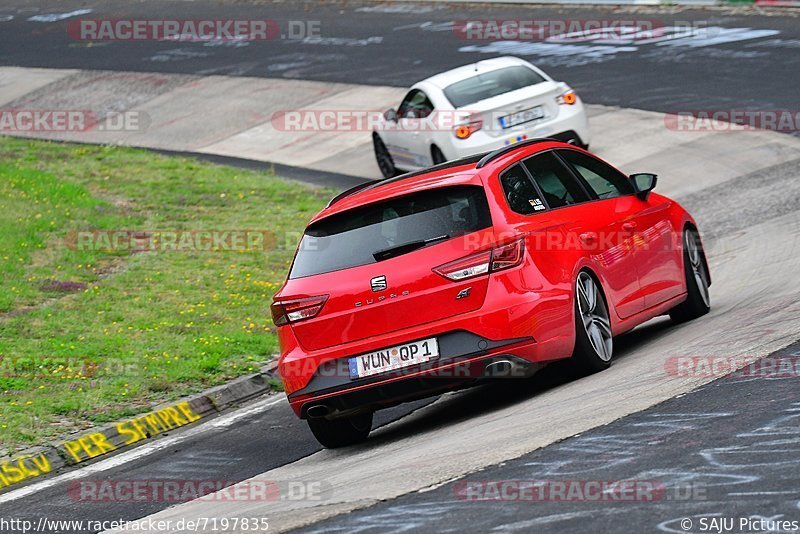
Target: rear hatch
x=376, y=264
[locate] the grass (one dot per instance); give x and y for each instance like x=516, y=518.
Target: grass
x=91, y=334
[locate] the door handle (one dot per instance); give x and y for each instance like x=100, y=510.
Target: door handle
x=588, y=238
x=629, y=226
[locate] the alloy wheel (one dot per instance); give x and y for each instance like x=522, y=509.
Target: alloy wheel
x=594, y=314
x=697, y=265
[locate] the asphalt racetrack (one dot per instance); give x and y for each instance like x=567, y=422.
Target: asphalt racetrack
x=718, y=446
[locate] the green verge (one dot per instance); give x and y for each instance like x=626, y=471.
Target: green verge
x=89, y=334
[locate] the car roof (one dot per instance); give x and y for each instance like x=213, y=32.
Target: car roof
x=460, y=172
x=447, y=78
x=378, y=191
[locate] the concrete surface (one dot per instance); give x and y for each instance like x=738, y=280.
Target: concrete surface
x=232, y=116
x=741, y=187
x=726, y=450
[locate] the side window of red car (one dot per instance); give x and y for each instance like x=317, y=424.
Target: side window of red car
x=520, y=193
x=604, y=180
x=555, y=181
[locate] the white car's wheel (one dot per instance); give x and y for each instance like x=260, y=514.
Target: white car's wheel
x=382, y=156
x=437, y=156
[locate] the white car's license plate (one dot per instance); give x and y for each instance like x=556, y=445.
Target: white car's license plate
x=393, y=358
x=521, y=117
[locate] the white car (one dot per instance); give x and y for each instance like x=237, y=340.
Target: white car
x=474, y=109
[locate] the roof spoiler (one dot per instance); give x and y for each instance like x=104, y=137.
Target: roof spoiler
x=377, y=183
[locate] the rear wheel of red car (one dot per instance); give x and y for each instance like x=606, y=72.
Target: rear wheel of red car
x=382, y=156
x=594, y=344
x=342, y=431
x=698, y=300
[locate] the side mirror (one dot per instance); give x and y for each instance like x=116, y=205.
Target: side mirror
x=390, y=115
x=643, y=183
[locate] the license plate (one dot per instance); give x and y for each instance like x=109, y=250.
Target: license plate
x=521, y=117
x=393, y=358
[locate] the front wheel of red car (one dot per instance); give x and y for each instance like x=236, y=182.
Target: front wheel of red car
x=342, y=431
x=594, y=344
x=698, y=300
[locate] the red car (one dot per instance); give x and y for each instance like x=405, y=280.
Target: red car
x=486, y=266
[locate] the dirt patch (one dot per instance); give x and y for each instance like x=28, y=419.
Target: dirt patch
x=61, y=286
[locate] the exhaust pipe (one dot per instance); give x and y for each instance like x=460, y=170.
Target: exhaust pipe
x=318, y=410
x=500, y=368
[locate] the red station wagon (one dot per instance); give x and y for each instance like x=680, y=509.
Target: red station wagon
x=487, y=266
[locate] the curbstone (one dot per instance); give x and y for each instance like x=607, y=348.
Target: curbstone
x=271, y=369
x=239, y=390
x=35, y=463
x=78, y=450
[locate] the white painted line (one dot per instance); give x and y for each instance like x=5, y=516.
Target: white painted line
x=144, y=450
x=795, y=492
x=56, y=17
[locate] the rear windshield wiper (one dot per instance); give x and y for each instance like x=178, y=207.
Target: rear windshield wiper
x=405, y=248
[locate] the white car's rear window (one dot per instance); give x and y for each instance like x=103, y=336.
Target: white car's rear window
x=488, y=84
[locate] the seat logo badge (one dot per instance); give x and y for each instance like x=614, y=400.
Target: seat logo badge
x=378, y=284
x=463, y=293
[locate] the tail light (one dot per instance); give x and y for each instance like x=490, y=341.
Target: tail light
x=568, y=98
x=507, y=256
x=463, y=131
x=294, y=310
x=489, y=261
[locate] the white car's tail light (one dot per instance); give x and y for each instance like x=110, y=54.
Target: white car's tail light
x=569, y=98
x=499, y=258
x=463, y=131
x=294, y=310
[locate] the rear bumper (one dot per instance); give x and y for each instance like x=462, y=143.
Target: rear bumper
x=524, y=315
x=464, y=359
x=570, y=123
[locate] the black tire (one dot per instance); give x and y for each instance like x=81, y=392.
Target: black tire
x=382, y=156
x=695, y=269
x=341, y=432
x=586, y=358
x=436, y=155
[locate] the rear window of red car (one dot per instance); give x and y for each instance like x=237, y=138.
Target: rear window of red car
x=390, y=228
